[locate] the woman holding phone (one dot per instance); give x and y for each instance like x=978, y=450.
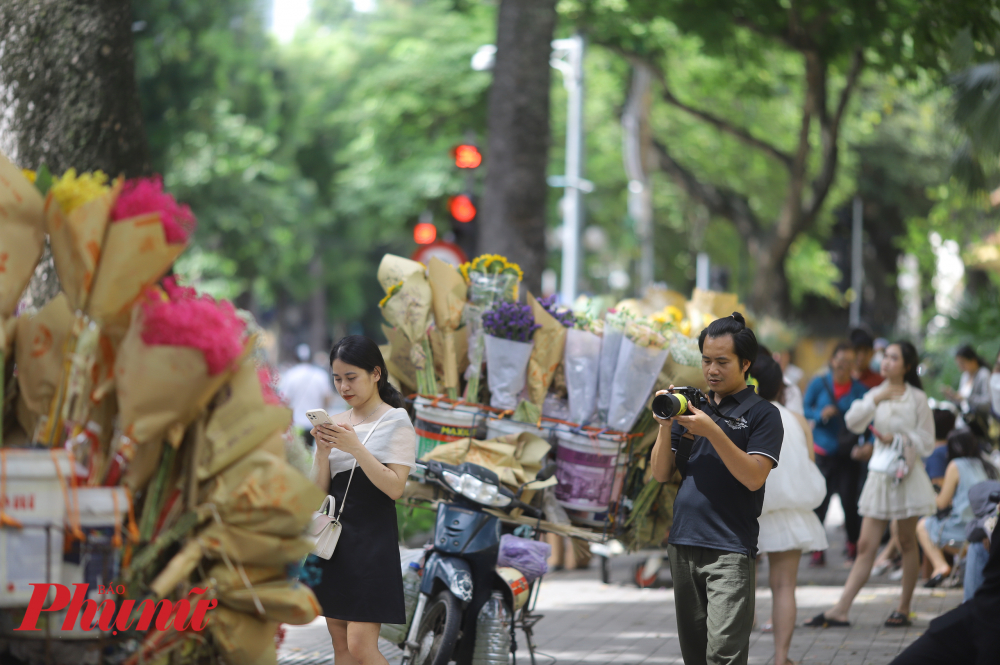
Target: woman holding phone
x=903, y=426
x=361, y=585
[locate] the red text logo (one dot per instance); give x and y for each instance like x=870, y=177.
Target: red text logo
x=81, y=611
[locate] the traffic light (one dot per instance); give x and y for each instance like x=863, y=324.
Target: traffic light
x=467, y=156
x=462, y=208
x=424, y=233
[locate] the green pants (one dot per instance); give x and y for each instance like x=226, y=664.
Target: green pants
x=714, y=598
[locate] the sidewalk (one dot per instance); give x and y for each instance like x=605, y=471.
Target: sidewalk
x=588, y=622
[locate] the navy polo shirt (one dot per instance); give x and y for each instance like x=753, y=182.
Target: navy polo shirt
x=713, y=509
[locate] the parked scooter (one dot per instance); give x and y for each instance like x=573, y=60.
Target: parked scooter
x=462, y=588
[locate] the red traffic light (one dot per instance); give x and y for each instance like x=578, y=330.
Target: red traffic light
x=462, y=208
x=467, y=156
x=424, y=233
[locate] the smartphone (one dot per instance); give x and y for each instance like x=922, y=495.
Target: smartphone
x=318, y=417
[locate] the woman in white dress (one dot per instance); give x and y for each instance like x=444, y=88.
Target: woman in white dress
x=903, y=426
x=788, y=523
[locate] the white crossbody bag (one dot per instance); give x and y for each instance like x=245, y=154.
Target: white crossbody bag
x=325, y=528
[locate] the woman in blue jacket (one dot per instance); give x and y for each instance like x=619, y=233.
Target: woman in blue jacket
x=826, y=401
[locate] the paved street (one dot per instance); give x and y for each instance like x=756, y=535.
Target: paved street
x=590, y=622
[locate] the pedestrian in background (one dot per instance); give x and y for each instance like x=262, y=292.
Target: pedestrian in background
x=864, y=351
x=973, y=395
x=934, y=464
x=827, y=399
x=788, y=525
x=305, y=386
x=724, y=462
x=966, y=467
x=903, y=426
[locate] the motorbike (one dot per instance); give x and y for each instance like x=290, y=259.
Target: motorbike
x=466, y=603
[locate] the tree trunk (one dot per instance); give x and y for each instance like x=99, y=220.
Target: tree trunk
x=68, y=96
x=514, y=201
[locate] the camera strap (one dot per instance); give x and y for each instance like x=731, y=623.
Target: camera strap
x=739, y=411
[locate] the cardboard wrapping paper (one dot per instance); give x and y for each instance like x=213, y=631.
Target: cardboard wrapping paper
x=457, y=342
x=394, y=269
x=547, y=353
x=240, y=421
x=244, y=639
x=39, y=353
x=398, y=361
x=264, y=493
x=252, y=547
x=283, y=600
x=409, y=309
x=161, y=389
x=449, y=292
x=22, y=234
x=515, y=458
x=134, y=257
x=77, y=240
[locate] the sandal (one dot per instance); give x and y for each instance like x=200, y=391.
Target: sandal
x=768, y=627
x=898, y=620
x=822, y=621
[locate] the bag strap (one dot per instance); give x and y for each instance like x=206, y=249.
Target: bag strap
x=343, y=502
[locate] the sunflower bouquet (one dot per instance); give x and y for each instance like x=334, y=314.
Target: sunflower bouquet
x=491, y=278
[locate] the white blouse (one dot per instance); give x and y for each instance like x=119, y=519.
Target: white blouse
x=908, y=414
x=394, y=442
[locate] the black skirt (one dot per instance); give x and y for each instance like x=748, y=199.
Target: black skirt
x=362, y=581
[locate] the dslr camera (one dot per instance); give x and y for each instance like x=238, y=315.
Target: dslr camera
x=679, y=402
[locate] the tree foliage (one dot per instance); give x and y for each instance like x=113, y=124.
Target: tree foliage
x=811, y=52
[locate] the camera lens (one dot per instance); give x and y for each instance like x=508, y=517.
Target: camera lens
x=669, y=405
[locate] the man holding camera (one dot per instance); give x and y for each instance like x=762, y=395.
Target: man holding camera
x=724, y=458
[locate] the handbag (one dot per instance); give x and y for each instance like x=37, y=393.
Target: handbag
x=325, y=527
x=846, y=439
x=897, y=459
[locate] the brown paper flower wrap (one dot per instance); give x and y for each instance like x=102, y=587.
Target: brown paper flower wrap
x=515, y=458
x=240, y=422
x=134, y=256
x=39, y=352
x=22, y=234
x=244, y=639
x=407, y=306
x=283, y=600
x=264, y=493
x=76, y=239
x=547, y=353
x=162, y=389
x=219, y=541
x=449, y=295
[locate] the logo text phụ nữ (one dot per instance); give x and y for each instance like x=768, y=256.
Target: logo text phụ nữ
x=109, y=616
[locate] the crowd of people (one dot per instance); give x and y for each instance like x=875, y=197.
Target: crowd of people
x=906, y=470
x=902, y=465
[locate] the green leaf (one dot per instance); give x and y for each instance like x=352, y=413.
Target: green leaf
x=43, y=179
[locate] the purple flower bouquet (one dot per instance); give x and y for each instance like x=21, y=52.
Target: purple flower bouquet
x=509, y=328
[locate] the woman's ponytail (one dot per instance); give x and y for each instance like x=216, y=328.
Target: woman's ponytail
x=388, y=392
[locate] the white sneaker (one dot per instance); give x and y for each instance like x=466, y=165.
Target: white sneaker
x=896, y=575
x=880, y=568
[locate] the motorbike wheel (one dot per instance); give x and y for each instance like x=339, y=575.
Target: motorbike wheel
x=438, y=630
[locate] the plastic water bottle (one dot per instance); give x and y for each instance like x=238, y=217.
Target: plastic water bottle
x=396, y=633
x=492, y=633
